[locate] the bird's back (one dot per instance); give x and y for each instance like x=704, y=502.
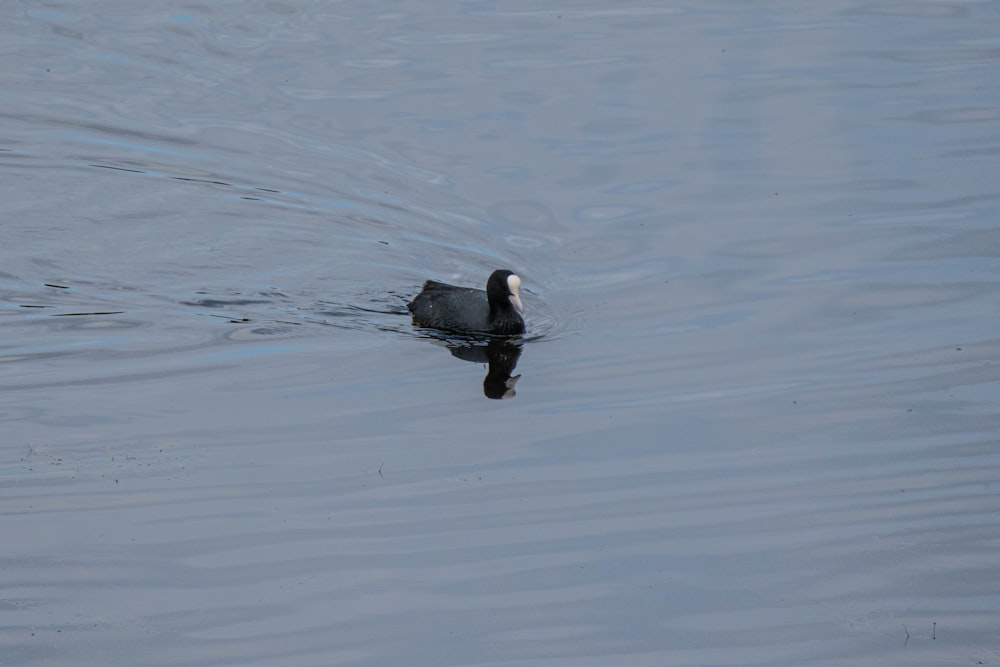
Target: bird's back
x=452, y=308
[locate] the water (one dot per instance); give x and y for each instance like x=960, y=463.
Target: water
x=759, y=400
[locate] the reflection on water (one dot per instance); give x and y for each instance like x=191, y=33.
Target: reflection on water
x=501, y=354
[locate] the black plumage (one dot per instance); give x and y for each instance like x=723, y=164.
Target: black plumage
x=496, y=311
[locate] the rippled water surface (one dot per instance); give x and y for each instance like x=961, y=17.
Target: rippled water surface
x=758, y=409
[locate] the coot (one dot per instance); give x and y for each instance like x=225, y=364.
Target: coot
x=467, y=310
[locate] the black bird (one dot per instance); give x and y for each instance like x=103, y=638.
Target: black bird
x=496, y=311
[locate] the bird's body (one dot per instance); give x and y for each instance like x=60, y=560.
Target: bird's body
x=496, y=311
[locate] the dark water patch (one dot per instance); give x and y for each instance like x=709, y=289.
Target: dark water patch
x=223, y=303
x=105, y=166
x=106, y=312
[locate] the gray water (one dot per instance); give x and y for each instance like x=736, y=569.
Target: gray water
x=758, y=413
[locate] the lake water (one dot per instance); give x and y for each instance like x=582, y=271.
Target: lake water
x=758, y=413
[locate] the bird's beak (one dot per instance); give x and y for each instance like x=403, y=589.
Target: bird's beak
x=514, y=283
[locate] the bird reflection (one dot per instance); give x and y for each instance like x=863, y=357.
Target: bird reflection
x=501, y=355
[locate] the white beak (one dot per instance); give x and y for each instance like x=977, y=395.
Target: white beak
x=514, y=283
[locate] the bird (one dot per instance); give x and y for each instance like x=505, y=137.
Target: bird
x=467, y=310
